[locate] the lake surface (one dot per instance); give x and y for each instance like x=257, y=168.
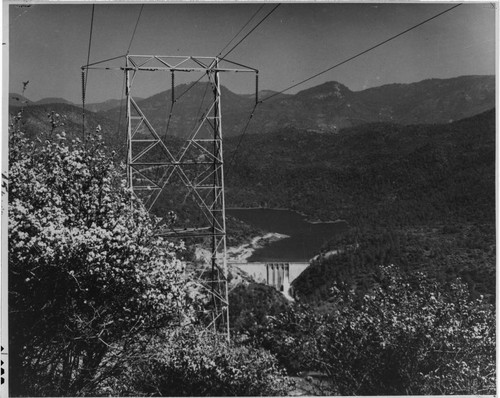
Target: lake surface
x=305, y=238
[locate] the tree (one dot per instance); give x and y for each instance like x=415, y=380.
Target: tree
x=86, y=272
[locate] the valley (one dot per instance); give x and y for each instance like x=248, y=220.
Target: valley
x=381, y=177
x=414, y=191
x=431, y=185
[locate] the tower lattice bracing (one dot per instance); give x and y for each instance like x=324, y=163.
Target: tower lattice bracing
x=182, y=180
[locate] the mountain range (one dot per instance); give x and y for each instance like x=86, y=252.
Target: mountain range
x=326, y=108
x=16, y=99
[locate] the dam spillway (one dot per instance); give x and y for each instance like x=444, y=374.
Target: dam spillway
x=276, y=274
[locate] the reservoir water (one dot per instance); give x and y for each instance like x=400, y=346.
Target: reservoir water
x=305, y=238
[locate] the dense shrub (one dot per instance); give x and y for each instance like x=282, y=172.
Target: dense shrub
x=86, y=273
x=195, y=362
x=407, y=336
x=250, y=305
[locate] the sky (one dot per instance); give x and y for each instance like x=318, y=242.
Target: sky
x=48, y=43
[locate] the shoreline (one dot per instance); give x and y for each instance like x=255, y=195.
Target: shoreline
x=338, y=221
x=294, y=211
x=241, y=253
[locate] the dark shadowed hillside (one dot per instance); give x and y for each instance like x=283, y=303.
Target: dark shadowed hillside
x=371, y=174
x=432, y=100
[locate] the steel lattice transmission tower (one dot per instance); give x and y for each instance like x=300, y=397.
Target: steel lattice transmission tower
x=159, y=171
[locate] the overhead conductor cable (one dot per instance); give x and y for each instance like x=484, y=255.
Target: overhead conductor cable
x=362, y=52
x=86, y=75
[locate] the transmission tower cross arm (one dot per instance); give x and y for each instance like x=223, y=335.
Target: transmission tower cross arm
x=174, y=63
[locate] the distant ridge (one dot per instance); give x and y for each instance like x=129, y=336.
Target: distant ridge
x=16, y=99
x=107, y=105
x=326, y=108
x=53, y=100
x=330, y=106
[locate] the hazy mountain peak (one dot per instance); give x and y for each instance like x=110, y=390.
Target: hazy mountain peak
x=332, y=90
x=53, y=100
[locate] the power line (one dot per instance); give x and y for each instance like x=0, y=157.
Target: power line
x=84, y=80
x=90, y=43
x=257, y=102
x=244, y=26
x=332, y=67
x=172, y=93
x=133, y=34
x=361, y=53
x=120, y=115
x=201, y=105
x=190, y=87
x=124, y=81
x=237, y=44
x=241, y=137
x=255, y=27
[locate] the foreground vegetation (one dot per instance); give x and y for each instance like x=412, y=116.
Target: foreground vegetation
x=409, y=335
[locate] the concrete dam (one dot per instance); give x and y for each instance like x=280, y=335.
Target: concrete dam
x=276, y=274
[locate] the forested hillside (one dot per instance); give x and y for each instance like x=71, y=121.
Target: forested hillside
x=422, y=197
x=372, y=174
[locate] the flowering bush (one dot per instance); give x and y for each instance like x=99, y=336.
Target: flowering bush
x=196, y=362
x=407, y=336
x=86, y=273
x=413, y=336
